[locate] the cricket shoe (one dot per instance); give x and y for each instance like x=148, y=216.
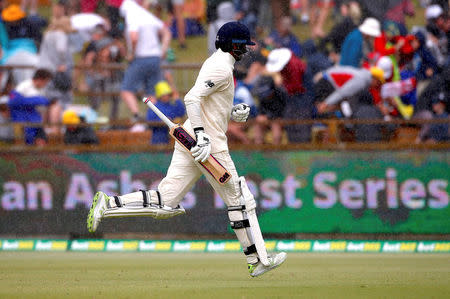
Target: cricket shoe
x=98, y=208
x=274, y=261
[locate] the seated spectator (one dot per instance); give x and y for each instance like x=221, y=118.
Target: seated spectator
x=367, y=110
x=173, y=108
x=300, y=103
x=242, y=95
x=283, y=37
x=98, y=80
x=271, y=109
x=359, y=43
x=23, y=103
x=437, y=132
x=342, y=82
x=425, y=64
x=6, y=131
x=76, y=130
x=316, y=60
x=55, y=55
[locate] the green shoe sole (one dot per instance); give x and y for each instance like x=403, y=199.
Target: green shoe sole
x=90, y=219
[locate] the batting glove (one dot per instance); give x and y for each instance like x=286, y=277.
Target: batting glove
x=240, y=112
x=202, y=148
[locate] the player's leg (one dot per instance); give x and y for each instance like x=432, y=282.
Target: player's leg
x=160, y=204
x=242, y=214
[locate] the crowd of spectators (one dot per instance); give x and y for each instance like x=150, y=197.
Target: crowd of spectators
x=368, y=65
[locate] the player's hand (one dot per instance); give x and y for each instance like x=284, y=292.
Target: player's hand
x=240, y=112
x=202, y=148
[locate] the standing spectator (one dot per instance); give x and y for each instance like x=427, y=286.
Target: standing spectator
x=23, y=101
x=317, y=12
x=143, y=33
x=172, y=108
x=20, y=26
x=77, y=132
x=299, y=104
x=342, y=82
x=283, y=37
x=333, y=41
x=359, y=43
x=177, y=6
x=225, y=14
x=55, y=55
x=271, y=109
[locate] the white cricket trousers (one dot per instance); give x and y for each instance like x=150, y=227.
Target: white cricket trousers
x=183, y=172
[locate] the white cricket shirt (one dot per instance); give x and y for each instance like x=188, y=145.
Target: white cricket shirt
x=214, y=90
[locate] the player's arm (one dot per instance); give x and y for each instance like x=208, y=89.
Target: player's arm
x=204, y=86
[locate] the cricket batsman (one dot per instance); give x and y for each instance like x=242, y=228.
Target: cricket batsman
x=209, y=107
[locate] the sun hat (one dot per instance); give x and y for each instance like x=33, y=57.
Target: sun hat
x=433, y=11
x=385, y=63
x=370, y=27
x=162, y=88
x=278, y=59
x=13, y=13
x=70, y=117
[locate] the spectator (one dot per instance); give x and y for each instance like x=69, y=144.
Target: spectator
x=425, y=64
x=143, y=33
x=283, y=37
x=177, y=6
x=6, y=131
x=351, y=13
x=247, y=12
x=342, y=82
x=225, y=14
x=316, y=60
x=368, y=111
x=436, y=132
x=103, y=51
x=24, y=100
x=173, y=108
x=77, y=132
x=299, y=104
x=55, y=55
x=317, y=11
x=394, y=18
x=20, y=26
x=271, y=109
x=242, y=95
x=359, y=43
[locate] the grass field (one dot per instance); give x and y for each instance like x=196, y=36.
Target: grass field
x=146, y=275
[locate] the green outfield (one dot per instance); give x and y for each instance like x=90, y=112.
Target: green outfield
x=176, y=275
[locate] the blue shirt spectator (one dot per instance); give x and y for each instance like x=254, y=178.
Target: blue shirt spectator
x=24, y=100
x=171, y=108
x=282, y=37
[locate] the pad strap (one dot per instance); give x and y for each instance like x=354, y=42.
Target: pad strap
x=236, y=208
x=145, y=198
x=159, y=198
x=118, y=201
x=240, y=224
x=250, y=249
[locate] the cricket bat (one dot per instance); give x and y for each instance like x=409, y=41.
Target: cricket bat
x=218, y=172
